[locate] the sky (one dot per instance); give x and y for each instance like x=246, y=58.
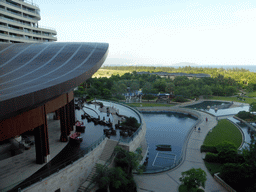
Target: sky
x=159, y=32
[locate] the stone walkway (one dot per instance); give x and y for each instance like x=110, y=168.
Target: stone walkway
x=169, y=181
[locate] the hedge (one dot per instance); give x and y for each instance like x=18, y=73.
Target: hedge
x=211, y=157
x=208, y=148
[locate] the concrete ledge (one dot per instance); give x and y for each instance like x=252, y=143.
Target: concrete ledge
x=223, y=183
x=243, y=137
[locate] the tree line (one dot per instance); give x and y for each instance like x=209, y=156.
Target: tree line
x=244, y=77
x=116, y=85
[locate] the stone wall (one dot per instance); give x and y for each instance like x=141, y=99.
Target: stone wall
x=136, y=142
x=71, y=177
x=223, y=183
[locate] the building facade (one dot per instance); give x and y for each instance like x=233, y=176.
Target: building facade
x=19, y=23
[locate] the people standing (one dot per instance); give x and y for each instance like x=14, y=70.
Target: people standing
x=206, y=119
x=199, y=129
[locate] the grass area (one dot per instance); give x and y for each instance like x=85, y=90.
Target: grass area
x=251, y=94
x=149, y=105
x=224, y=131
x=107, y=73
x=183, y=188
x=213, y=167
x=247, y=100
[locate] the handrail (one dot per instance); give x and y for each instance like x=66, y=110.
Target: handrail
x=90, y=109
x=51, y=171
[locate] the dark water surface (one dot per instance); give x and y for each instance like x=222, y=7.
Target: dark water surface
x=166, y=128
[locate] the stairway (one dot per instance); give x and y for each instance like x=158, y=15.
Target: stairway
x=106, y=154
x=108, y=150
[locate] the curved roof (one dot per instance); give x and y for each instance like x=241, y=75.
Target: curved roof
x=31, y=74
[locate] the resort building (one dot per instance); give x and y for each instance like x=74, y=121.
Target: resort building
x=38, y=79
x=38, y=105
x=38, y=113
x=19, y=23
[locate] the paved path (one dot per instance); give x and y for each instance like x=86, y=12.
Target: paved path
x=169, y=181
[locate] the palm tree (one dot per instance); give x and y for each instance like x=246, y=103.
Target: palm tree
x=102, y=176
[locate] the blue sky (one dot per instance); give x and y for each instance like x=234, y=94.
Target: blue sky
x=162, y=32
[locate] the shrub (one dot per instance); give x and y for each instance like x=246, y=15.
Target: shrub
x=211, y=157
x=148, y=97
x=101, y=190
x=244, y=115
x=119, y=97
x=114, y=99
x=225, y=145
x=101, y=104
x=199, y=190
x=234, y=174
x=193, y=178
x=208, y=148
x=240, y=158
x=227, y=152
x=179, y=99
x=131, y=122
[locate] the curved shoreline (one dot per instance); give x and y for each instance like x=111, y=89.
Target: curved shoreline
x=167, y=180
x=193, y=113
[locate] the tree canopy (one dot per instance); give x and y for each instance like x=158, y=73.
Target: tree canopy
x=193, y=178
x=219, y=84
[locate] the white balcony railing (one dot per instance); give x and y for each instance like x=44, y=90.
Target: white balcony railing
x=12, y=4
x=36, y=11
x=29, y=2
x=12, y=12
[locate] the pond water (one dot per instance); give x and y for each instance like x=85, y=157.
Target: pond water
x=94, y=132
x=223, y=108
x=248, y=133
x=166, y=128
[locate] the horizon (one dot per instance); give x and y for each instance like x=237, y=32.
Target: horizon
x=159, y=32
x=251, y=68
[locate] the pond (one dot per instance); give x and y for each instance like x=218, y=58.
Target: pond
x=248, y=133
x=223, y=108
x=166, y=128
x=94, y=132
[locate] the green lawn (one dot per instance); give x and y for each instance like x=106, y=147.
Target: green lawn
x=149, y=105
x=224, y=131
x=251, y=94
x=108, y=72
x=247, y=100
